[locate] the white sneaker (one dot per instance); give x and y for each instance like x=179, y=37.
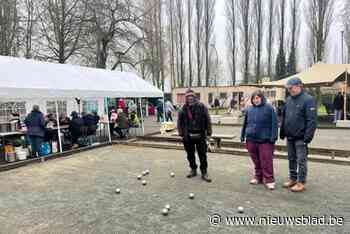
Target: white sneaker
x=254, y=181
x=270, y=186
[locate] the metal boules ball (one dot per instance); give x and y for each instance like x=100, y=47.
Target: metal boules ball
x=117, y=190
x=167, y=206
x=165, y=211
x=172, y=174
x=240, y=209
x=144, y=182
x=191, y=195
x=139, y=177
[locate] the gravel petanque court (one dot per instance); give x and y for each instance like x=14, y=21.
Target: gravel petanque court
x=77, y=194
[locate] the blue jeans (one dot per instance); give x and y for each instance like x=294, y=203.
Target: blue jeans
x=297, y=156
x=36, y=143
x=337, y=115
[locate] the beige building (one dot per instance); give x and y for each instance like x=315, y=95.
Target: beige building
x=240, y=93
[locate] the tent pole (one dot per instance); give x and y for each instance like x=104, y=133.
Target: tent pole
x=142, y=121
x=346, y=94
x=58, y=127
x=163, y=108
x=108, y=127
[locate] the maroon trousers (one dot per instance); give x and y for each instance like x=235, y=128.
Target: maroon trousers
x=262, y=156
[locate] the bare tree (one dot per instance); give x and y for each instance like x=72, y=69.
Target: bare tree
x=160, y=42
x=209, y=16
x=281, y=57
x=115, y=25
x=346, y=20
x=61, y=28
x=180, y=28
x=151, y=44
x=30, y=19
x=295, y=23
x=8, y=26
x=231, y=37
x=189, y=27
x=245, y=26
x=319, y=18
x=171, y=38
x=259, y=36
x=270, y=36
x=199, y=40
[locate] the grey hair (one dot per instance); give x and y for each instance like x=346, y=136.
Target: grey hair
x=36, y=108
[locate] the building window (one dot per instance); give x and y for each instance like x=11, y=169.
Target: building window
x=51, y=107
x=90, y=106
x=7, y=108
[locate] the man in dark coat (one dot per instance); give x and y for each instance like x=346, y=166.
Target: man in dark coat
x=194, y=125
x=35, y=123
x=75, y=128
x=338, y=104
x=90, y=121
x=160, y=110
x=122, y=123
x=299, y=122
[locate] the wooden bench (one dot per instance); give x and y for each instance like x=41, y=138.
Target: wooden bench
x=216, y=138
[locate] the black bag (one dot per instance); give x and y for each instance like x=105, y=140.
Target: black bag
x=195, y=136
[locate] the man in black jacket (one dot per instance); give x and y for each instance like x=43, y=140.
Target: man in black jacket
x=338, y=106
x=35, y=123
x=75, y=128
x=194, y=126
x=299, y=122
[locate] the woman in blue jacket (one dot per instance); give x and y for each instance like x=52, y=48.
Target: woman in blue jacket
x=260, y=130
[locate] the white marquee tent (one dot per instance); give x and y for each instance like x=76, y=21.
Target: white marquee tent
x=22, y=78
x=29, y=79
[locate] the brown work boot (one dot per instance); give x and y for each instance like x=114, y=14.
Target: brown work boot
x=299, y=187
x=206, y=178
x=192, y=173
x=289, y=184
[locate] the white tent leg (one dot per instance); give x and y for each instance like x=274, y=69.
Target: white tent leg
x=163, y=108
x=58, y=127
x=108, y=127
x=142, y=120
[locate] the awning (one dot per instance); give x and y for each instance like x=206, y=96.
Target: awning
x=320, y=74
x=23, y=78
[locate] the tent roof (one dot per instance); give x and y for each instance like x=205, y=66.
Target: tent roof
x=23, y=78
x=318, y=74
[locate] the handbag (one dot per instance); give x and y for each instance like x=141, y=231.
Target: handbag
x=195, y=136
